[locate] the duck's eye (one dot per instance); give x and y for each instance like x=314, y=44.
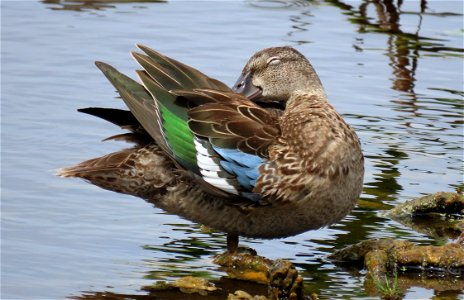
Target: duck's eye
x=273, y=61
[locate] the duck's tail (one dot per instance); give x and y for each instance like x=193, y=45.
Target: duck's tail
x=142, y=171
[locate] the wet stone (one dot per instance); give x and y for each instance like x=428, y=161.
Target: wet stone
x=436, y=215
x=393, y=266
x=242, y=295
x=383, y=256
x=280, y=275
x=188, y=285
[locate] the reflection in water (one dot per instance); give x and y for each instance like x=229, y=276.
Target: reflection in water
x=278, y=4
x=404, y=50
x=185, y=251
x=85, y=5
x=386, y=186
x=169, y=264
x=399, y=47
x=225, y=286
x=403, y=47
x=301, y=24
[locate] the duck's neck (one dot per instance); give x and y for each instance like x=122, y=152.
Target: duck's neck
x=312, y=84
x=307, y=96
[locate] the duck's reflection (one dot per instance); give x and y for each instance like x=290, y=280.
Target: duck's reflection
x=225, y=286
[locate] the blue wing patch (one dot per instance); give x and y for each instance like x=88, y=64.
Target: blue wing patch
x=244, y=166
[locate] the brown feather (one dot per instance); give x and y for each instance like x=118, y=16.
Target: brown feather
x=226, y=143
x=138, y=100
x=204, y=129
x=257, y=114
x=169, y=67
x=254, y=143
x=186, y=75
x=242, y=127
x=197, y=97
x=234, y=123
x=158, y=74
x=210, y=115
x=225, y=97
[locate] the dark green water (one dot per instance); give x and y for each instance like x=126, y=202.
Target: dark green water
x=394, y=71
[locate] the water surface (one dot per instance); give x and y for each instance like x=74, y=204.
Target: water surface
x=395, y=73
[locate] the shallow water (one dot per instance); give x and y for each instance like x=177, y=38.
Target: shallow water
x=395, y=75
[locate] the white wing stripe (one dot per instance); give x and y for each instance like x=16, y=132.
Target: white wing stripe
x=209, y=169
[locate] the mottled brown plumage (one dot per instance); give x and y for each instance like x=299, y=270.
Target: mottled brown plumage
x=312, y=169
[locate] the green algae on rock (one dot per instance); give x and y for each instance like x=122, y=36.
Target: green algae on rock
x=187, y=285
x=437, y=215
x=441, y=203
x=382, y=256
x=405, y=264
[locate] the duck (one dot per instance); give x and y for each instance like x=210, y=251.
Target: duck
x=268, y=158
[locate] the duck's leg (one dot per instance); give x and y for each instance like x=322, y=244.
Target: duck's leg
x=232, y=242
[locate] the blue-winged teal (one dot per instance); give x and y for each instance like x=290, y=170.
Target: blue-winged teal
x=269, y=158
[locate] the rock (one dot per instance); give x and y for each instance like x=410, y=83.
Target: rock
x=280, y=275
x=442, y=202
x=241, y=295
x=187, y=284
x=395, y=265
x=190, y=284
x=245, y=266
x=436, y=215
x=381, y=256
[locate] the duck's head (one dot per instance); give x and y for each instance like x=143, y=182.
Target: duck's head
x=273, y=74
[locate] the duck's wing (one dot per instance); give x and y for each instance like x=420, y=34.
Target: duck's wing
x=231, y=121
x=232, y=136
x=219, y=135
x=171, y=121
x=155, y=108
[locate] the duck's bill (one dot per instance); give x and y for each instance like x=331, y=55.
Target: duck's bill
x=244, y=86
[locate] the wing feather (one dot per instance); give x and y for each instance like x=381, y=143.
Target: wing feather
x=186, y=76
x=137, y=99
x=235, y=123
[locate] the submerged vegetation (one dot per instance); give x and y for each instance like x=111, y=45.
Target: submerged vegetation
x=388, y=287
